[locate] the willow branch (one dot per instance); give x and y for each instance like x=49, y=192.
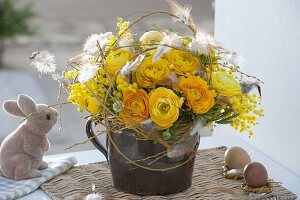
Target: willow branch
x=147, y=15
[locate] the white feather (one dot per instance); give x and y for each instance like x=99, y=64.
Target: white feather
x=76, y=58
x=149, y=126
x=172, y=79
x=233, y=59
x=94, y=196
x=196, y=128
x=170, y=40
x=87, y=72
x=147, y=122
x=91, y=44
x=236, y=171
x=125, y=42
x=181, y=12
x=86, y=58
x=203, y=42
x=204, y=131
x=43, y=61
x=82, y=58
x=60, y=78
x=128, y=67
x=184, y=14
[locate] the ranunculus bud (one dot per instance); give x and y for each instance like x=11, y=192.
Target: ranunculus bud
x=151, y=37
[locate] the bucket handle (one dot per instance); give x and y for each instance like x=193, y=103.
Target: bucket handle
x=92, y=136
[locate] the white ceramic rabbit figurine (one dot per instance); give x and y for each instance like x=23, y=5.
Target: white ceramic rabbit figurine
x=21, y=152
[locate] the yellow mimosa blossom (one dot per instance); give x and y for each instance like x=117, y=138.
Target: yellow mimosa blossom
x=225, y=84
x=83, y=95
x=185, y=41
x=164, y=107
x=116, y=60
x=101, y=77
x=111, y=43
x=70, y=74
x=200, y=99
x=124, y=32
x=148, y=74
x=245, y=106
x=136, y=106
x=183, y=62
x=123, y=86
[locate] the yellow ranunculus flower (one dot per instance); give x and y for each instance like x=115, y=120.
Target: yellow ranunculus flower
x=225, y=84
x=116, y=60
x=148, y=73
x=151, y=37
x=183, y=62
x=93, y=105
x=164, y=107
x=136, y=106
x=200, y=99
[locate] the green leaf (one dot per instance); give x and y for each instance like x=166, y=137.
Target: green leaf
x=15, y=21
x=154, y=27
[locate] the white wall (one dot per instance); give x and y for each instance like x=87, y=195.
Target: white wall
x=267, y=34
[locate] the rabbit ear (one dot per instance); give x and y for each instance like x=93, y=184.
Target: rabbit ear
x=11, y=107
x=26, y=104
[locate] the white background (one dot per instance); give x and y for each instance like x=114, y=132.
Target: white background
x=267, y=34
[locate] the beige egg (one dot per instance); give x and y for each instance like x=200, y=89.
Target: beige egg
x=236, y=158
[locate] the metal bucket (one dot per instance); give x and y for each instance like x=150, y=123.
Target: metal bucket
x=167, y=175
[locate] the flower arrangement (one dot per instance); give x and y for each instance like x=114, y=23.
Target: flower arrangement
x=159, y=84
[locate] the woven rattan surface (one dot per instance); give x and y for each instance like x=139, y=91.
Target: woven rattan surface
x=208, y=183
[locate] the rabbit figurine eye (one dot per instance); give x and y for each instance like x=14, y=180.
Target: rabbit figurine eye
x=48, y=116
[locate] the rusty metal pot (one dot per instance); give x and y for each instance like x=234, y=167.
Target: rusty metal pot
x=130, y=178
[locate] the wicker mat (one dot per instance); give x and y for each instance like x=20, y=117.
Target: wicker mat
x=208, y=183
